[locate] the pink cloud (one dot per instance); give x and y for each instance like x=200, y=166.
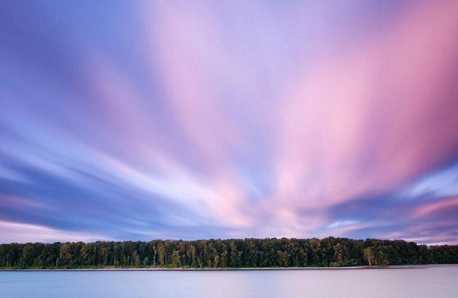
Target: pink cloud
x=436, y=207
x=374, y=116
x=367, y=119
x=191, y=56
x=21, y=232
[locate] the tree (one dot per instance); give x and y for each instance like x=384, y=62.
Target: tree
x=369, y=256
x=224, y=253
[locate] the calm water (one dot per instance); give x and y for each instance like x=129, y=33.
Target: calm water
x=437, y=282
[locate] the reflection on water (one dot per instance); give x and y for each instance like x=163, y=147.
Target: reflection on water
x=437, y=282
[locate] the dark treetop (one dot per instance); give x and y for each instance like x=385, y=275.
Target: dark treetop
x=233, y=253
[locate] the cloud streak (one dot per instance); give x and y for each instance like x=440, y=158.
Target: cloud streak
x=198, y=120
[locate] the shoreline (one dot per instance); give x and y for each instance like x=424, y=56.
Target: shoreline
x=155, y=269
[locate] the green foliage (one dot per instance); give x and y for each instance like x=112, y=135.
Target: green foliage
x=232, y=253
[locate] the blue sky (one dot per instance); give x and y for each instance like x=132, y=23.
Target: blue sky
x=126, y=120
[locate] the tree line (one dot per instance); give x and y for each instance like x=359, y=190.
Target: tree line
x=231, y=253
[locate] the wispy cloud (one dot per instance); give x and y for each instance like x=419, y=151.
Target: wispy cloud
x=196, y=120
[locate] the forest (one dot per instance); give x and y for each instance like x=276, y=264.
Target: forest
x=231, y=253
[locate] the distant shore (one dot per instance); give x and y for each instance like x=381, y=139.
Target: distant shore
x=234, y=269
x=224, y=254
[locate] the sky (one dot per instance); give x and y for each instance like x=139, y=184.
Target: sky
x=141, y=120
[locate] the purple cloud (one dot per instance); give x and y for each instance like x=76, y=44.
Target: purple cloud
x=197, y=120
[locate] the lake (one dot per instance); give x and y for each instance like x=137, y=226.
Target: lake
x=421, y=282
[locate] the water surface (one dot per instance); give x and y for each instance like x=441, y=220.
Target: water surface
x=437, y=282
